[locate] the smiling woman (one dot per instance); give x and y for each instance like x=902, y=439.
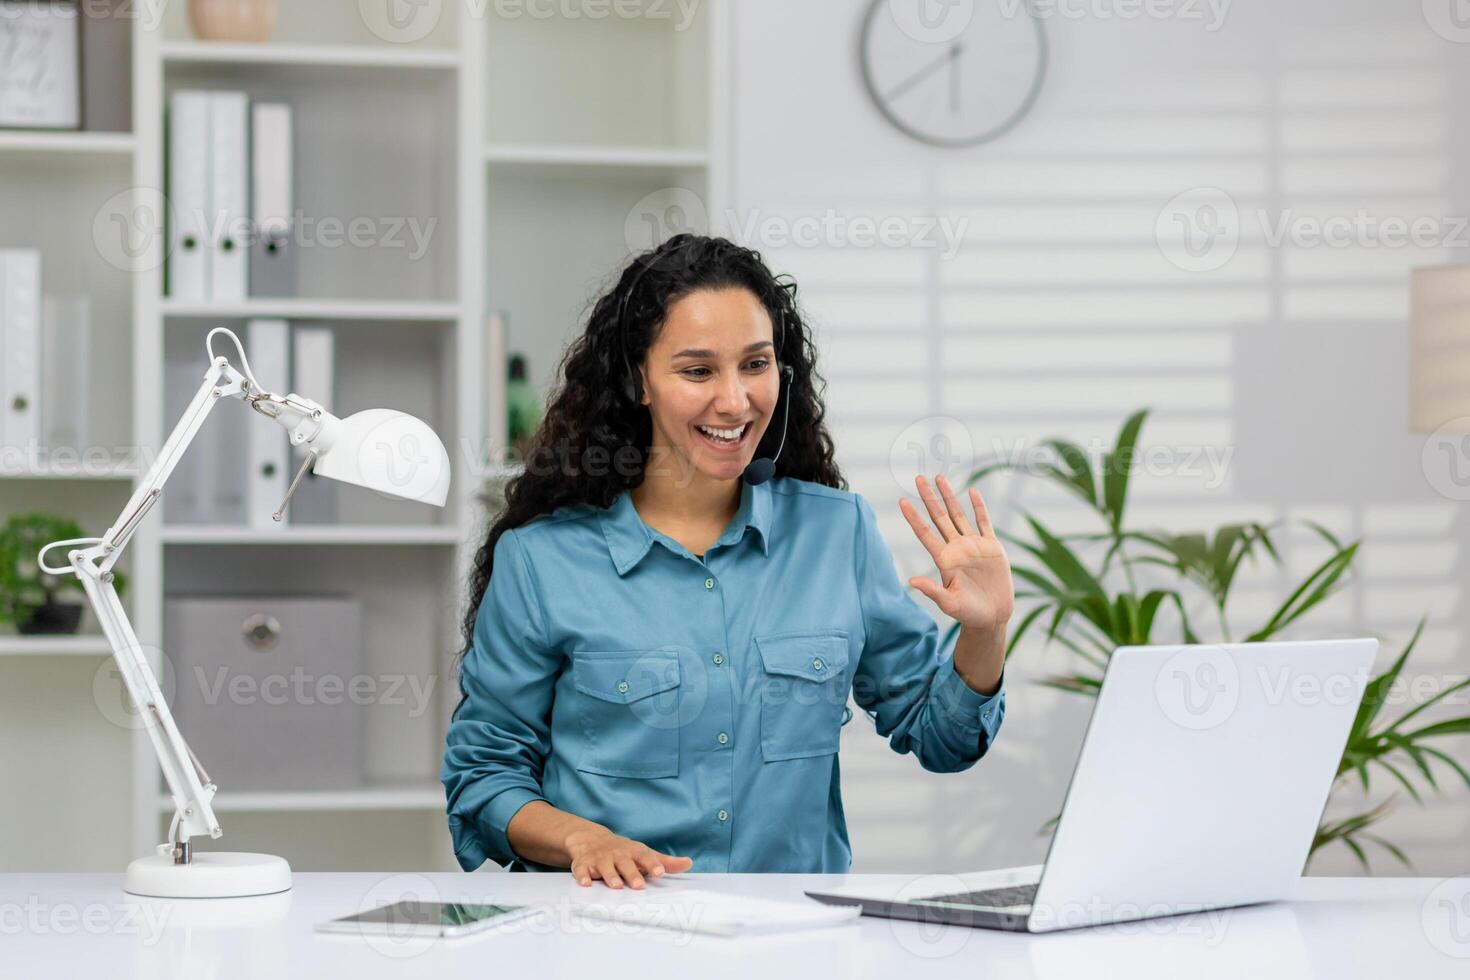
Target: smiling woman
x=656, y=674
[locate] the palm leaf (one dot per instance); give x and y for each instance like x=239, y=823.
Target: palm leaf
x=1116, y=470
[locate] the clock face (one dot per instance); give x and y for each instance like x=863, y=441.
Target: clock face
x=953, y=72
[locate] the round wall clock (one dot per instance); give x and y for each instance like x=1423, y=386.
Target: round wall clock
x=953, y=72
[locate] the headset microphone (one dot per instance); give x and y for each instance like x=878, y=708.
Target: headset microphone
x=762, y=469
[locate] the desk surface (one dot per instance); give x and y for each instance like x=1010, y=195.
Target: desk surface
x=85, y=925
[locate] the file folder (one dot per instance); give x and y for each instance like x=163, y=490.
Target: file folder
x=229, y=203
x=312, y=375
x=272, y=260
x=268, y=342
x=20, y=324
x=188, y=193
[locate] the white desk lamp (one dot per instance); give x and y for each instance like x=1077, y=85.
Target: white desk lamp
x=379, y=449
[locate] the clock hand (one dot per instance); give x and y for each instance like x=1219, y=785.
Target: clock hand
x=920, y=75
x=954, y=78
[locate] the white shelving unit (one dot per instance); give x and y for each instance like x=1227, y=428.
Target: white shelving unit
x=15, y=142
x=307, y=55
x=377, y=535
x=531, y=142
x=54, y=646
x=348, y=310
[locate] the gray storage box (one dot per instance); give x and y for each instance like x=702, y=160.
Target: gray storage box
x=264, y=689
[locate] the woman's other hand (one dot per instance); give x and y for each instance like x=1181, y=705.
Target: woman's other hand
x=600, y=853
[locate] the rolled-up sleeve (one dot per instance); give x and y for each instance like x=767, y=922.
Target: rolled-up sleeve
x=498, y=741
x=904, y=681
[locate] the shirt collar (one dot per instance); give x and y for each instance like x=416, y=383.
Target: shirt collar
x=628, y=538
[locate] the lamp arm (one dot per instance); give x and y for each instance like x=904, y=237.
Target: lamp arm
x=188, y=784
x=220, y=381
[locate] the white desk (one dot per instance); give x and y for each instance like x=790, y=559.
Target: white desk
x=84, y=926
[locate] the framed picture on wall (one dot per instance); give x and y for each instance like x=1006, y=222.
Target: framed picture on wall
x=40, y=64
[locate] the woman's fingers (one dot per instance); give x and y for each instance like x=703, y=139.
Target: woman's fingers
x=927, y=586
x=619, y=861
x=932, y=542
x=982, y=513
x=935, y=506
x=673, y=864
x=953, y=507
x=655, y=864
x=628, y=871
x=608, y=871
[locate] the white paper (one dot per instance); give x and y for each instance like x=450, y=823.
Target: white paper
x=716, y=913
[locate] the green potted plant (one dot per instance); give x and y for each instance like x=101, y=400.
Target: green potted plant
x=31, y=599
x=1085, y=592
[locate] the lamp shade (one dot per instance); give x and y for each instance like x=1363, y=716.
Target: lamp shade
x=1439, y=349
x=391, y=452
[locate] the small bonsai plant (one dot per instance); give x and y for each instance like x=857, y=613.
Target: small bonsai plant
x=29, y=597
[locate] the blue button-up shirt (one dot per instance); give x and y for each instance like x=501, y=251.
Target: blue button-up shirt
x=695, y=705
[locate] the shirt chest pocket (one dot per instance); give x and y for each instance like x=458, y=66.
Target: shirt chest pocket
x=803, y=693
x=628, y=710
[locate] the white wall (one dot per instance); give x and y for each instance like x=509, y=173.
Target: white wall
x=1060, y=314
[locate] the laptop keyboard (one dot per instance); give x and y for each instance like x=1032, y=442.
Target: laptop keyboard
x=1012, y=896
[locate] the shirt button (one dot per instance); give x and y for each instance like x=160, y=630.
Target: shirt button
x=723, y=815
x=622, y=687
x=709, y=583
x=722, y=738
x=718, y=658
x=818, y=665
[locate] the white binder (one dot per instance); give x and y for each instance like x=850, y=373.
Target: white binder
x=313, y=376
x=268, y=343
x=20, y=318
x=272, y=261
x=188, y=191
x=229, y=196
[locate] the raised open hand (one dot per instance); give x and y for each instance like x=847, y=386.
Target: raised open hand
x=977, y=589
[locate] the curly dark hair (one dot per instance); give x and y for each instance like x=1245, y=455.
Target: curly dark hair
x=590, y=417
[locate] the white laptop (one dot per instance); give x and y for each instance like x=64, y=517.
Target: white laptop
x=1202, y=778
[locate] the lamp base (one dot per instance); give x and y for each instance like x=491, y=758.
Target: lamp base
x=210, y=874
